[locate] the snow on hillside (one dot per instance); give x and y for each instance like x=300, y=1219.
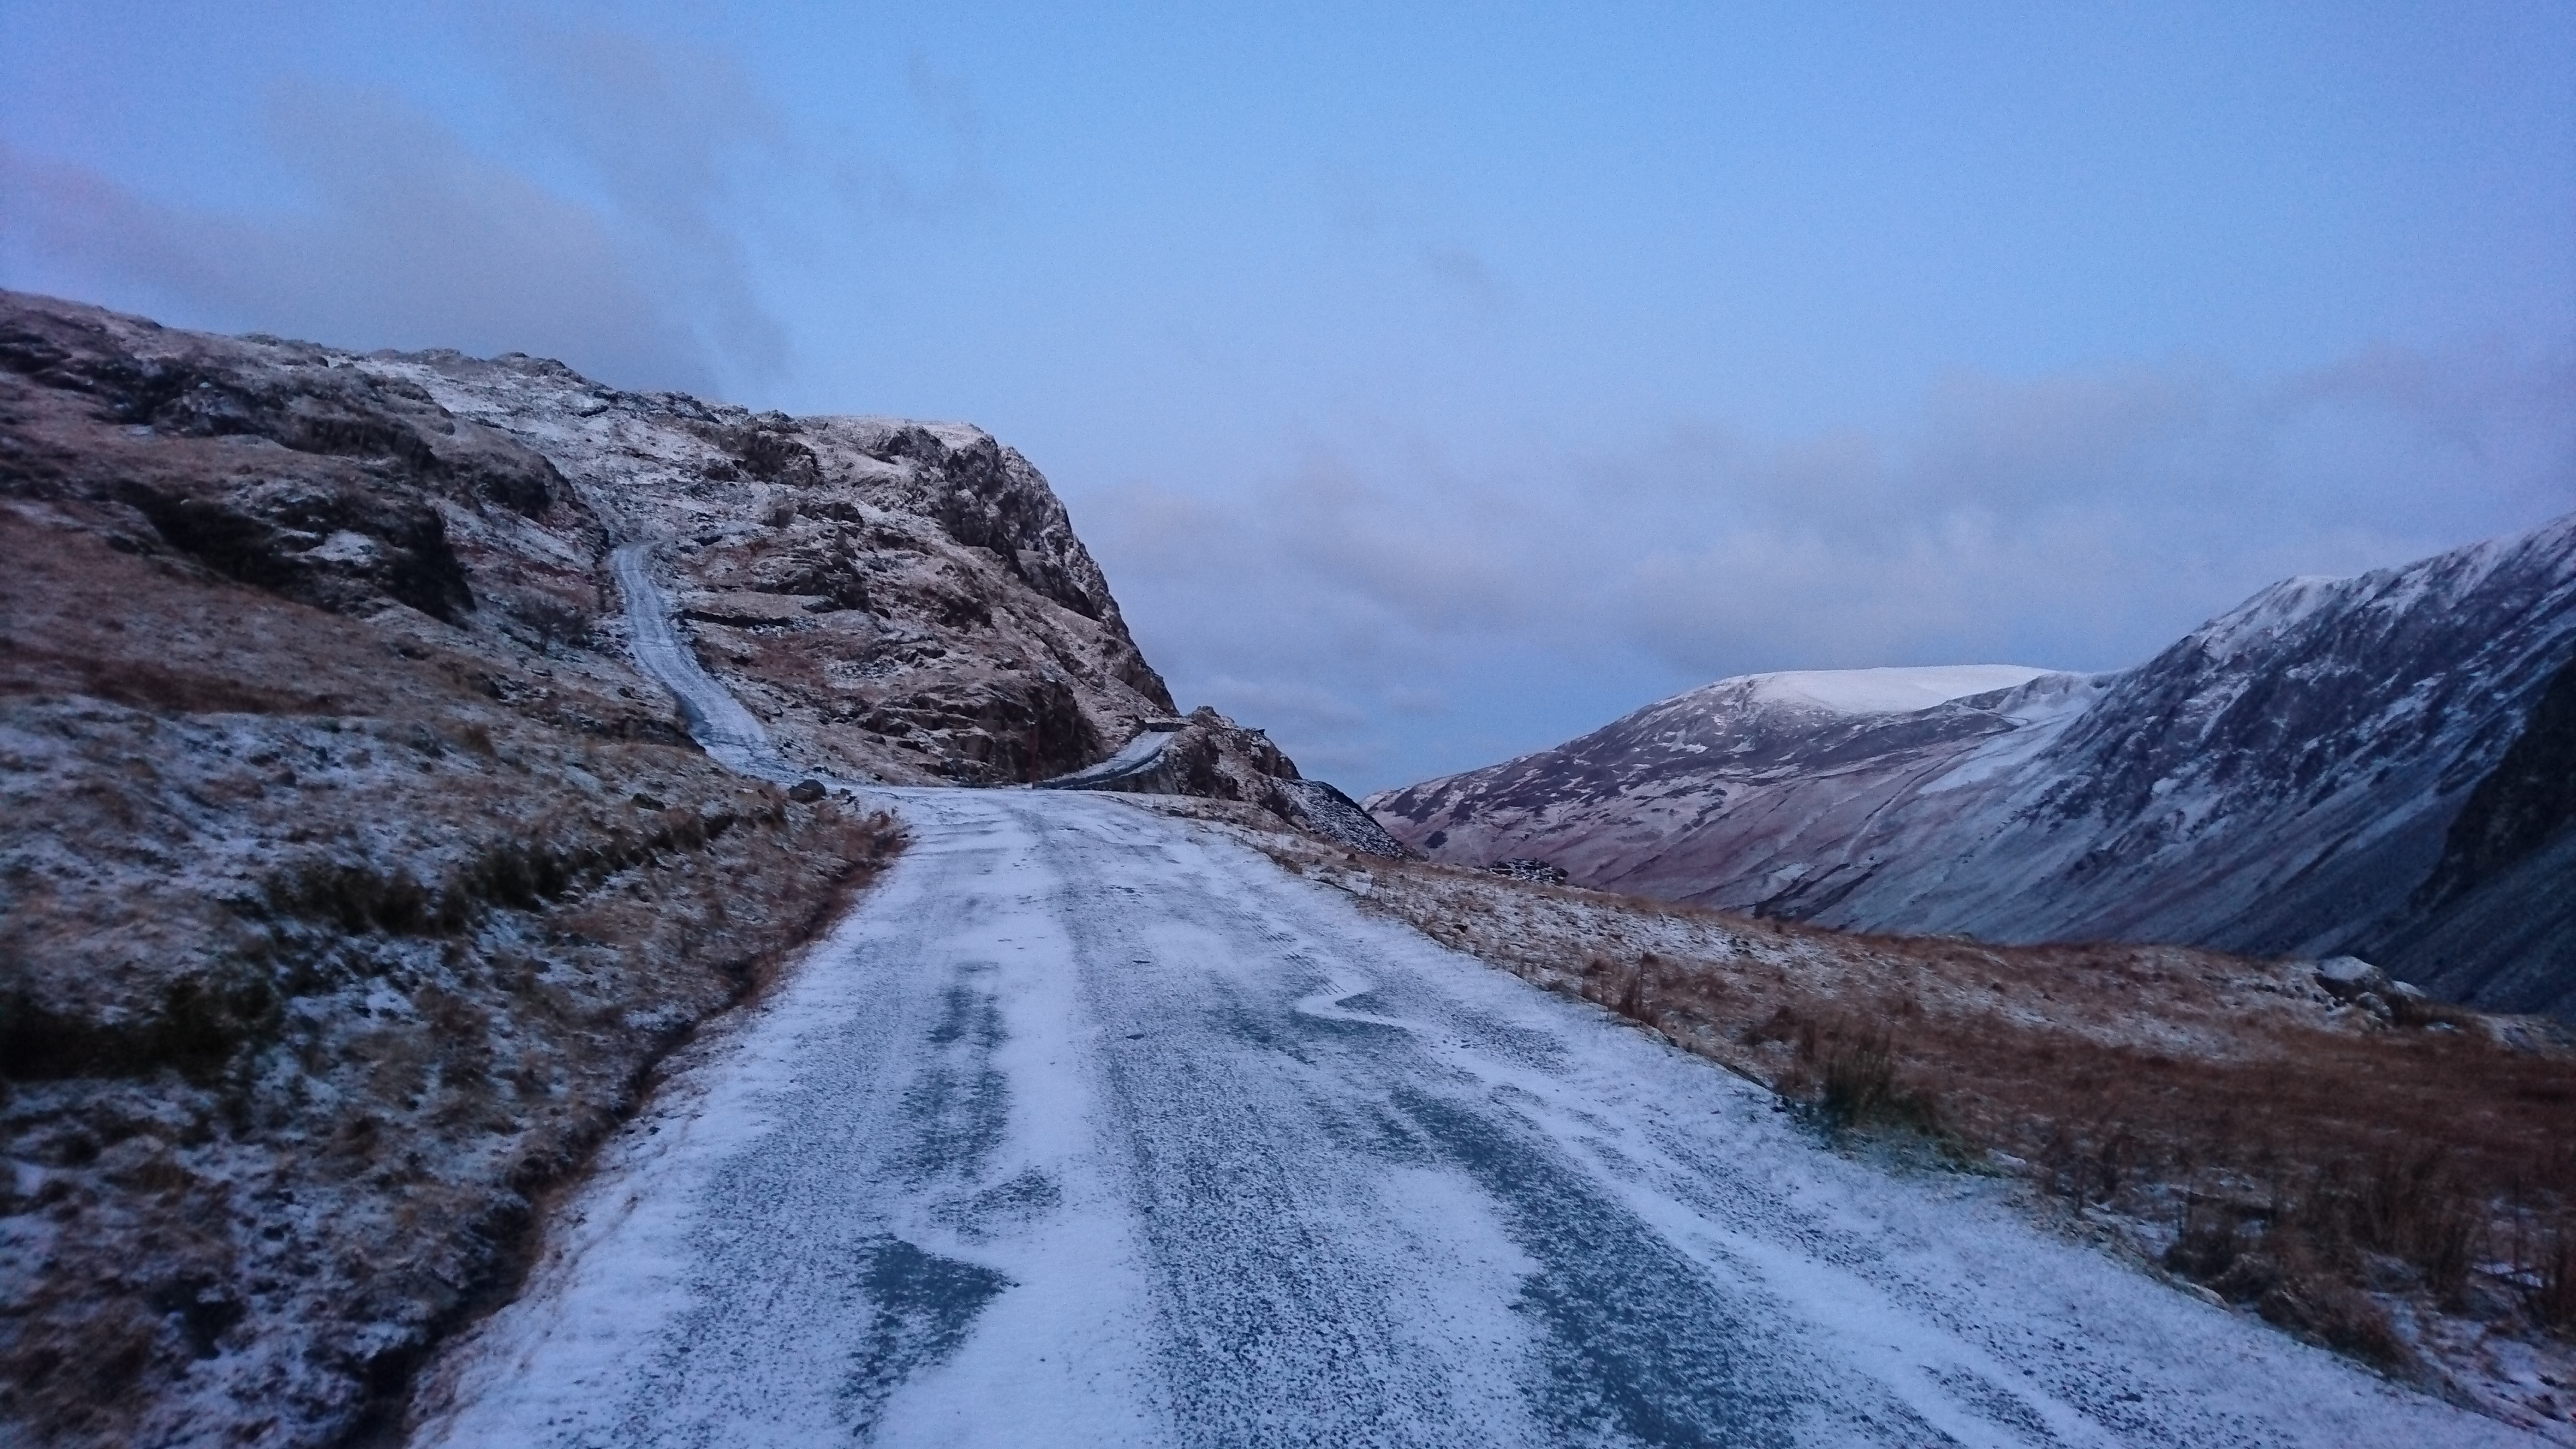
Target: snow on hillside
x=1881, y=691
x=2280, y=780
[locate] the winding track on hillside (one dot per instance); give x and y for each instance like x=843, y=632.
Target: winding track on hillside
x=1092, y=1126
x=722, y=727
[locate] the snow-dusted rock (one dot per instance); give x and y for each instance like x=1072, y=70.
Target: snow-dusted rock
x=1212, y=757
x=2350, y=976
x=2384, y=763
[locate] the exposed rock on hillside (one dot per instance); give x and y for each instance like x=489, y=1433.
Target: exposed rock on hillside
x=2302, y=775
x=2496, y=920
x=356, y=876
x=353, y=879
x=899, y=601
x=893, y=600
x=1211, y=757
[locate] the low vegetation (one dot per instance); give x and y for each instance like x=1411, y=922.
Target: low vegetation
x=328, y=946
x=2401, y=1189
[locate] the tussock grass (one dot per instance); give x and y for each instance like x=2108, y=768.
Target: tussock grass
x=327, y=947
x=2398, y=1192
x=508, y=874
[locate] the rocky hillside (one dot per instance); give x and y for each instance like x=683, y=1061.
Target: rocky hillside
x=355, y=878
x=2366, y=764
x=898, y=601
x=894, y=601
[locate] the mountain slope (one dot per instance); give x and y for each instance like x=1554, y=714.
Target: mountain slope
x=2283, y=779
x=897, y=600
x=355, y=877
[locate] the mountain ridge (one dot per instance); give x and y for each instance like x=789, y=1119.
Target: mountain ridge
x=2279, y=780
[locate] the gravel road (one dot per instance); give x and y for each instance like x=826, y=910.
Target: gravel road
x=721, y=725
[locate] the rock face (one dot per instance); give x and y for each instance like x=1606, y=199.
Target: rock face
x=2374, y=764
x=355, y=877
x=895, y=600
x=1212, y=757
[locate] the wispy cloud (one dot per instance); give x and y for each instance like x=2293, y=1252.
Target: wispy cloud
x=937, y=180
x=409, y=238
x=611, y=232
x=678, y=138
x=2077, y=521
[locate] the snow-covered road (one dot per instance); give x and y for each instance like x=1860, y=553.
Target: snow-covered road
x=1092, y=1126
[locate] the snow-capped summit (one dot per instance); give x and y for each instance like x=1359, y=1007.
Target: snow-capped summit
x=2359, y=764
x=1876, y=691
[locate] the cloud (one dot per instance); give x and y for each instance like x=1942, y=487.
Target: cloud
x=672, y=135
x=878, y=181
x=410, y=240
x=607, y=225
x=2078, y=521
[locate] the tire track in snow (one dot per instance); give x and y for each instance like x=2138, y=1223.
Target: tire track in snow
x=1091, y=1127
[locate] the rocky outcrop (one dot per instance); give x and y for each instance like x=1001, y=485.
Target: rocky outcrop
x=1211, y=757
x=2494, y=920
x=356, y=877
x=2361, y=765
x=893, y=600
x=353, y=878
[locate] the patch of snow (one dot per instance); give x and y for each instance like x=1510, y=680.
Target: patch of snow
x=953, y=1184
x=1134, y=758
x=1883, y=691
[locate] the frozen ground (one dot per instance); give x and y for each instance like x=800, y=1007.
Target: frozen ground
x=721, y=725
x=1094, y=1127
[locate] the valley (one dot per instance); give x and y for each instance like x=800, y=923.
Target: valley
x=525, y=924
x=2336, y=766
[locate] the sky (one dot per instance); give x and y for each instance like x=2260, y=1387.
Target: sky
x=1439, y=382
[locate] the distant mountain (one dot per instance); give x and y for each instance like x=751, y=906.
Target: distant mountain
x=2384, y=765
x=354, y=876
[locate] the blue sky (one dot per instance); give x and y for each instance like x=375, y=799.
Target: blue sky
x=1436, y=383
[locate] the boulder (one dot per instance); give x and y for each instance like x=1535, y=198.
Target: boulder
x=2349, y=977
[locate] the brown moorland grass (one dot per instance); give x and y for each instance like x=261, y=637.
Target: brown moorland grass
x=327, y=946
x=2402, y=1190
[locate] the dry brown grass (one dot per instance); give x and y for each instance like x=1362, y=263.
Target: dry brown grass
x=327, y=945
x=2219, y=1114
